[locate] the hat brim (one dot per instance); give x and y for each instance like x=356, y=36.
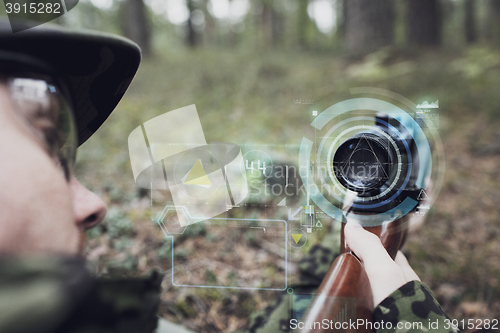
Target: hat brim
x=98, y=67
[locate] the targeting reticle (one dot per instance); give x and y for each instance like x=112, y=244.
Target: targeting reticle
x=369, y=161
x=364, y=162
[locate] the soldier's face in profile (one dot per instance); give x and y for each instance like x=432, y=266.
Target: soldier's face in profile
x=41, y=211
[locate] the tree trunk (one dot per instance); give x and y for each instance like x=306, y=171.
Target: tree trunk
x=272, y=24
x=303, y=23
x=277, y=27
x=369, y=24
x=494, y=22
x=210, y=31
x=136, y=25
x=424, y=22
x=191, y=36
x=470, y=22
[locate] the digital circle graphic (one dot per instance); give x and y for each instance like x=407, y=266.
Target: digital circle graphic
x=336, y=143
x=346, y=160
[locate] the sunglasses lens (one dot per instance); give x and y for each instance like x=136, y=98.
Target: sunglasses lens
x=49, y=117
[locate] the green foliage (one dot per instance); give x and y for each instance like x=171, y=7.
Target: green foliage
x=252, y=238
x=210, y=237
x=210, y=277
x=94, y=232
x=194, y=230
x=231, y=278
x=186, y=309
x=122, y=243
x=86, y=15
x=375, y=67
x=117, y=223
x=165, y=251
x=183, y=254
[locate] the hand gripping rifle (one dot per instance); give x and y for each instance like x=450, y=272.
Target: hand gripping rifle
x=345, y=295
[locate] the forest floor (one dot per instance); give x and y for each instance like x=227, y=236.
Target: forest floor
x=456, y=252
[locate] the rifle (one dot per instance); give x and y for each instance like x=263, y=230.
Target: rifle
x=345, y=294
x=347, y=280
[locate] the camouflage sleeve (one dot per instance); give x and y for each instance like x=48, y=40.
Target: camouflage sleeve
x=411, y=308
x=48, y=295
x=35, y=292
x=118, y=306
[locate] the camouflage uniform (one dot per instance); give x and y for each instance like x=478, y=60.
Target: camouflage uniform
x=60, y=295
x=413, y=303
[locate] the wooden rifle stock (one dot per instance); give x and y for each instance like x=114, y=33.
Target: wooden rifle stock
x=345, y=293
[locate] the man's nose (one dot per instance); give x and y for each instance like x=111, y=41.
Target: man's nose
x=88, y=208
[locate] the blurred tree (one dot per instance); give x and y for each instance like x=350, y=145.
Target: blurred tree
x=368, y=24
x=135, y=24
x=469, y=21
x=210, y=31
x=341, y=8
x=493, y=31
x=303, y=23
x=424, y=22
x=272, y=23
x=191, y=35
